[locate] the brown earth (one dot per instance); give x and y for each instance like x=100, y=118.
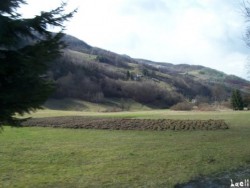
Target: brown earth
x=126, y=124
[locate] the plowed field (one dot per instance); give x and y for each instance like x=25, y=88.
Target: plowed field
x=126, y=124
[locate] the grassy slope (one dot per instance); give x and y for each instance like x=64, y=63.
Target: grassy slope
x=80, y=105
x=46, y=157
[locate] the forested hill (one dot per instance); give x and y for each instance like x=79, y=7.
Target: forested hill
x=93, y=74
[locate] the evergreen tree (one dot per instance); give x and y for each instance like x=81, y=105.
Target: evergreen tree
x=128, y=75
x=236, y=100
x=26, y=49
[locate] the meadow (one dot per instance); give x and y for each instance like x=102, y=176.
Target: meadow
x=49, y=157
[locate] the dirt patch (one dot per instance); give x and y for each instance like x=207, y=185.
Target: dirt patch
x=222, y=180
x=126, y=124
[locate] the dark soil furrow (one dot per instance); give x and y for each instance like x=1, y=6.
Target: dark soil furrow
x=126, y=124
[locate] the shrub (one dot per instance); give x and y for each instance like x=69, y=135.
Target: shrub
x=226, y=104
x=183, y=106
x=206, y=107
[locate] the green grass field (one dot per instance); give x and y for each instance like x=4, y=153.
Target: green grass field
x=47, y=157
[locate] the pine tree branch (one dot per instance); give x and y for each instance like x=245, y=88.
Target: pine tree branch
x=10, y=6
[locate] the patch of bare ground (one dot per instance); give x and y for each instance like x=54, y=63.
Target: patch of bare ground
x=78, y=122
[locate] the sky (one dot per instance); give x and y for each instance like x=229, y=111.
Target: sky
x=198, y=32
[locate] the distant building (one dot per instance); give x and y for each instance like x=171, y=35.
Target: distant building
x=138, y=77
x=193, y=101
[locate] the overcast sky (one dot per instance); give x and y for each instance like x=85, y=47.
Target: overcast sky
x=201, y=32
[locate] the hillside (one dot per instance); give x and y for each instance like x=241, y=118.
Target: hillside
x=100, y=76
